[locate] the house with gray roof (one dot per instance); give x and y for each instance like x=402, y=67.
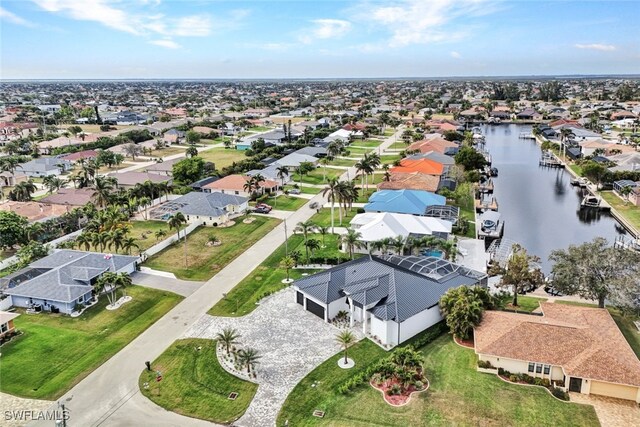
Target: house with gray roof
x=203, y=208
x=45, y=166
x=62, y=280
x=392, y=298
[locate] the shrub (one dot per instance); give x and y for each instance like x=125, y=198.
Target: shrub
x=395, y=389
x=546, y=382
x=429, y=335
x=418, y=384
x=560, y=393
x=537, y=381
x=485, y=364
x=513, y=378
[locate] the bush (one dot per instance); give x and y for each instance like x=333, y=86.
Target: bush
x=485, y=364
x=419, y=384
x=546, y=382
x=395, y=390
x=429, y=335
x=560, y=393
x=513, y=378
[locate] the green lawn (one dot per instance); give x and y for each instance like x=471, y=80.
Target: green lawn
x=286, y=203
x=222, y=157
x=305, y=190
x=205, y=261
x=56, y=351
x=628, y=211
x=144, y=234
x=576, y=168
x=525, y=303
x=260, y=128
x=357, y=152
x=469, y=216
x=342, y=162
x=323, y=218
x=458, y=395
x=268, y=276
x=169, y=151
x=389, y=132
x=364, y=194
x=317, y=176
x=194, y=384
x=398, y=145
x=390, y=158
x=368, y=143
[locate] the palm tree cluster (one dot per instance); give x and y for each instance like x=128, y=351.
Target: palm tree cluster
x=401, y=372
x=342, y=192
x=462, y=308
x=310, y=245
x=247, y=357
x=253, y=185
x=367, y=166
x=109, y=283
x=108, y=229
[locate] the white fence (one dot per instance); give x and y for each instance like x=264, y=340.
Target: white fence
x=168, y=241
x=50, y=245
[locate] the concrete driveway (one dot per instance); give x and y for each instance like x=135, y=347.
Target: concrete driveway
x=292, y=343
x=177, y=286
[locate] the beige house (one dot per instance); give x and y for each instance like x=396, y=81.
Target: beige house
x=581, y=348
x=6, y=323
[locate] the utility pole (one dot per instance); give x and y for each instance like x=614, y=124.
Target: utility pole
x=286, y=240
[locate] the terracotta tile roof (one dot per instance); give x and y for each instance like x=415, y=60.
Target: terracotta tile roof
x=34, y=211
x=411, y=181
x=424, y=166
x=86, y=154
x=435, y=144
x=70, y=196
x=585, y=341
x=236, y=183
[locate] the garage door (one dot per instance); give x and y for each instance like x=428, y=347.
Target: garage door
x=315, y=308
x=614, y=390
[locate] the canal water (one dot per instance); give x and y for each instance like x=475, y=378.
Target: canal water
x=540, y=207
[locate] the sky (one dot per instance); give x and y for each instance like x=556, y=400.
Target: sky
x=191, y=39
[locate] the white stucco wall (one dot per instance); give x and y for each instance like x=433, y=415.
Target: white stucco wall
x=336, y=306
x=418, y=323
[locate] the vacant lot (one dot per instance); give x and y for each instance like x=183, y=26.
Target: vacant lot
x=222, y=157
x=56, y=351
x=194, y=384
x=205, y=260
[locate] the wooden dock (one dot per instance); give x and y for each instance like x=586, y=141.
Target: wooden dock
x=524, y=135
x=485, y=187
x=483, y=205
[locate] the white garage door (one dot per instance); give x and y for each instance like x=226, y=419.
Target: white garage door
x=614, y=390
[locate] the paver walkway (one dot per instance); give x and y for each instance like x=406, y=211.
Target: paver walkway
x=291, y=341
x=110, y=396
x=611, y=412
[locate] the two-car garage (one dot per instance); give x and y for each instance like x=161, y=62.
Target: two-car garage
x=619, y=391
x=310, y=305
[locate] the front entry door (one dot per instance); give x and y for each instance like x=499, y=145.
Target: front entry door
x=575, y=384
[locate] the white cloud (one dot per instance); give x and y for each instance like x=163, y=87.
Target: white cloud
x=11, y=17
x=455, y=54
x=596, y=46
x=169, y=44
x=422, y=22
x=96, y=10
x=326, y=29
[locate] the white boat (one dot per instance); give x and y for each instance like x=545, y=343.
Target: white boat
x=590, y=201
x=491, y=225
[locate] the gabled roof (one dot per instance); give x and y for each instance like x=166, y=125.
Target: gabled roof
x=585, y=341
x=412, y=202
x=379, y=225
x=236, y=183
x=424, y=166
x=397, y=292
x=205, y=204
x=411, y=181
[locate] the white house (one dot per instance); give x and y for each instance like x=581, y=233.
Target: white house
x=391, y=298
x=374, y=226
x=204, y=208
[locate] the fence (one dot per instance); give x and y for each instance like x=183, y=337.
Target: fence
x=50, y=245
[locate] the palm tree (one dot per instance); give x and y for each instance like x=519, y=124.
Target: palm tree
x=311, y=245
x=191, y=151
x=175, y=221
x=331, y=193
x=144, y=202
x=160, y=234
x=346, y=339
x=249, y=358
x=84, y=239
x=323, y=231
x=282, y=172
x=305, y=228
x=351, y=240
x=129, y=243
x=53, y=183
x=102, y=189
x=22, y=191
x=287, y=263
x=228, y=337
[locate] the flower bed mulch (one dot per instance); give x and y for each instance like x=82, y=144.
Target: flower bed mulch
x=464, y=343
x=397, y=399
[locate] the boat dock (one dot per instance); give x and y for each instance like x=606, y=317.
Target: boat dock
x=524, y=135
x=485, y=187
x=550, y=160
x=486, y=204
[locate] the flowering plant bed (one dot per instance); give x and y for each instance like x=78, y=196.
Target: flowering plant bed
x=392, y=386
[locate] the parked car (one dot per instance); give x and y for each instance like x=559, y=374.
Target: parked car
x=261, y=210
x=294, y=191
x=263, y=206
x=553, y=291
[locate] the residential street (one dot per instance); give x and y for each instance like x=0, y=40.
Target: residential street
x=110, y=396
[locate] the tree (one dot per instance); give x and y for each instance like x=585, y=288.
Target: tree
x=175, y=221
x=129, y=243
x=282, y=172
x=470, y=159
x=305, y=228
x=323, y=231
x=521, y=272
x=462, y=308
x=102, y=189
x=188, y=170
x=331, y=193
x=191, y=151
x=12, y=228
x=132, y=150
x=192, y=137
x=594, y=171
x=346, y=339
x=595, y=270
x=312, y=245
x=109, y=282
x=22, y=191
x=249, y=358
x=287, y=263
x=53, y=183
x=160, y=234
x=352, y=241
x=228, y=337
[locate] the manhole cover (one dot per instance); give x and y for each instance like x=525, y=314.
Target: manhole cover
x=318, y=413
x=233, y=396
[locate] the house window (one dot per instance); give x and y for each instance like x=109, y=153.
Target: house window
x=547, y=369
x=4, y=328
x=538, y=368
x=81, y=299
x=531, y=366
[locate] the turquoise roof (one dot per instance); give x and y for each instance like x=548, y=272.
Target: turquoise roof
x=413, y=202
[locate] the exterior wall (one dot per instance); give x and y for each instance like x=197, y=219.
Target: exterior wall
x=25, y=302
x=380, y=328
x=618, y=391
x=418, y=323
x=206, y=220
x=8, y=327
x=522, y=367
x=227, y=191
x=336, y=306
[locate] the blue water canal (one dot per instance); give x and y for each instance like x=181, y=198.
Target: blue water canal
x=540, y=207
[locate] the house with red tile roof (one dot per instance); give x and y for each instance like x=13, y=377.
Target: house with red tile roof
x=581, y=349
x=439, y=145
x=423, y=166
x=234, y=184
x=81, y=155
x=411, y=181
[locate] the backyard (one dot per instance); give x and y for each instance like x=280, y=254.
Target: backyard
x=317, y=176
x=323, y=218
x=144, y=234
x=284, y=202
x=55, y=352
x=194, y=384
x=204, y=260
x=457, y=395
x=267, y=277
x=627, y=210
x=367, y=143
x=222, y=157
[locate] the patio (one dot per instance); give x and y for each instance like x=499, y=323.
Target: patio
x=291, y=341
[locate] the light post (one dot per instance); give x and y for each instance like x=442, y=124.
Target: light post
x=286, y=240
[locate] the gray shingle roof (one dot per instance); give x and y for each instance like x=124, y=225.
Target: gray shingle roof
x=206, y=204
x=401, y=287
x=69, y=275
